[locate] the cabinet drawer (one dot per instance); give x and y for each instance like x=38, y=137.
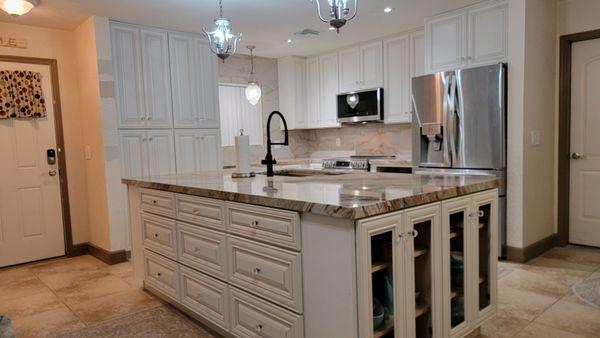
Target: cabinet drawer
x=202, y=249
x=159, y=235
x=158, y=202
x=273, y=273
x=162, y=273
x=202, y=211
x=274, y=226
x=206, y=296
x=253, y=317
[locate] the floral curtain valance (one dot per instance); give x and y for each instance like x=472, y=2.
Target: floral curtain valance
x=21, y=95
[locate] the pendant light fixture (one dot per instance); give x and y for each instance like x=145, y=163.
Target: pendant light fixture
x=339, y=12
x=222, y=41
x=253, y=91
x=18, y=7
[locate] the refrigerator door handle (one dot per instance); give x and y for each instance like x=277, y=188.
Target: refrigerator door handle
x=447, y=132
x=452, y=120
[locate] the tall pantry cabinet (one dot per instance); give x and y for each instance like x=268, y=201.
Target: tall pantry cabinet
x=166, y=86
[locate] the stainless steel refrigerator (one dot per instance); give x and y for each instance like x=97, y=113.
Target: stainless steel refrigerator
x=459, y=126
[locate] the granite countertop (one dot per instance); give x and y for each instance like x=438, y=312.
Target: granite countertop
x=352, y=195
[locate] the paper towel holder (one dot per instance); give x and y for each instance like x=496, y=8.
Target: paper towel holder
x=242, y=175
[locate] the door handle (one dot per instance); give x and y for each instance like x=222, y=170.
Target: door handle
x=52, y=172
x=576, y=156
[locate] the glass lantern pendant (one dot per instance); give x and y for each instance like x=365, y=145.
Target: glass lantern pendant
x=222, y=41
x=253, y=91
x=339, y=12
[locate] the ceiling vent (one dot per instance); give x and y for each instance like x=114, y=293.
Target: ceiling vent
x=307, y=33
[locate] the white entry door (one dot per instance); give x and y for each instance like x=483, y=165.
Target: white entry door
x=31, y=224
x=584, y=221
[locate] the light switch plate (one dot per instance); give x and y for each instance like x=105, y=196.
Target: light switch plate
x=536, y=138
x=88, y=153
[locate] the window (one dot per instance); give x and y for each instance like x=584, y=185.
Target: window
x=237, y=113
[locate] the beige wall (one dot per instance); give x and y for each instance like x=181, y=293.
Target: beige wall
x=89, y=91
x=576, y=16
x=539, y=109
x=59, y=45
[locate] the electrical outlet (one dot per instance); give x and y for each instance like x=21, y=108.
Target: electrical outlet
x=338, y=142
x=536, y=138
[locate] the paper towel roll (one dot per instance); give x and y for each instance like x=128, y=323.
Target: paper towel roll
x=242, y=153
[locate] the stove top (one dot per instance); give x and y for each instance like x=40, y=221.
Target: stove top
x=358, y=162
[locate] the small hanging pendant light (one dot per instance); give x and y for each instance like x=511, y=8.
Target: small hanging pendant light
x=253, y=91
x=222, y=41
x=339, y=12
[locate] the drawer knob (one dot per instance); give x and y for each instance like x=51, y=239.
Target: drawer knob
x=254, y=224
x=259, y=327
x=256, y=271
x=156, y=235
x=158, y=274
x=154, y=201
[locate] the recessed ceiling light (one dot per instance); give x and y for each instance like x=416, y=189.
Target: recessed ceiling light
x=388, y=9
x=289, y=40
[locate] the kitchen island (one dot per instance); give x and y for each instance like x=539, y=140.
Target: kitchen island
x=320, y=253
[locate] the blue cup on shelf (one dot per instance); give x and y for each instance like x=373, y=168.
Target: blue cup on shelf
x=389, y=293
x=378, y=314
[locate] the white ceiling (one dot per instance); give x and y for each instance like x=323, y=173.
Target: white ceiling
x=264, y=23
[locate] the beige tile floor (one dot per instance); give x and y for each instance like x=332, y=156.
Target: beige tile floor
x=82, y=297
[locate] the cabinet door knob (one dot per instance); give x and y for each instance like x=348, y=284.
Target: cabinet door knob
x=156, y=235
x=259, y=327
x=414, y=233
x=158, y=274
x=400, y=237
x=143, y=117
x=481, y=213
x=256, y=271
x=577, y=156
x=154, y=201
x=254, y=224
x=149, y=117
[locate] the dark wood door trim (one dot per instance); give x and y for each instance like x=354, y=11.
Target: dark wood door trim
x=60, y=142
x=564, y=128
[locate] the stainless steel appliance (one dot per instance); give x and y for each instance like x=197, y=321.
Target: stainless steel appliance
x=459, y=126
x=358, y=162
x=360, y=106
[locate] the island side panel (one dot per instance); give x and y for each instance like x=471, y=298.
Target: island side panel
x=329, y=276
x=135, y=228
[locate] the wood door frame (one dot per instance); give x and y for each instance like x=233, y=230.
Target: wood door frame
x=564, y=128
x=60, y=143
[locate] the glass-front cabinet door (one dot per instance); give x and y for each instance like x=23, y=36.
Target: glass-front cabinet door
x=423, y=268
x=380, y=244
x=456, y=262
x=485, y=247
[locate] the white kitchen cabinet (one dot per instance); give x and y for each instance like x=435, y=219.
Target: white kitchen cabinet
x=147, y=152
x=128, y=75
x=417, y=53
x=469, y=37
x=292, y=91
x=329, y=88
x=361, y=67
x=198, y=150
x=134, y=157
x=193, y=82
x=469, y=276
x=397, y=79
x=141, y=68
x=488, y=33
x=161, y=152
x=349, y=64
x=371, y=65
x=156, y=75
x=446, y=42
x=399, y=255
x=313, y=104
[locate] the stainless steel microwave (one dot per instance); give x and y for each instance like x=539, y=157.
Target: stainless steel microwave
x=360, y=106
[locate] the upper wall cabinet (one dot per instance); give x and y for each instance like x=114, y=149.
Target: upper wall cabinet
x=469, y=37
x=141, y=66
x=313, y=92
x=193, y=82
x=361, y=67
x=292, y=91
x=403, y=59
x=328, y=72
